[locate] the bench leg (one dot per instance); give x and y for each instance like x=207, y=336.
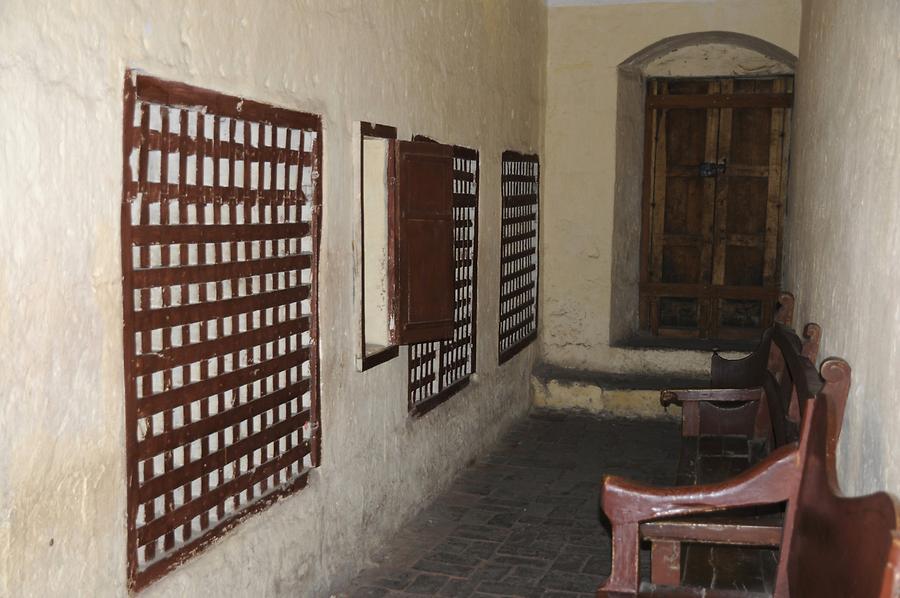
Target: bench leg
x=665, y=563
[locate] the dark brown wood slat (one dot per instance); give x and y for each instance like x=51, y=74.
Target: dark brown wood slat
x=154, y=445
x=216, y=233
x=421, y=382
x=199, y=194
x=152, y=89
x=191, y=471
x=513, y=257
x=156, y=141
x=456, y=364
x=722, y=530
x=520, y=237
x=181, y=396
x=185, y=513
x=517, y=310
x=160, y=276
x=422, y=359
x=463, y=200
x=187, y=354
x=450, y=346
x=517, y=178
x=513, y=294
x=519, y=327
x=462, y=323
x=518, y=201
x=519, y=219
x=731, y=100
x=694, y=290
x=518, y=273
x=462, y=303
x=188, y=314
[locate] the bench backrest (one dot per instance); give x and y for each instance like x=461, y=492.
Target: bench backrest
x=783, y=366
x=836, y=546
x=747, y=371
x=790, y=380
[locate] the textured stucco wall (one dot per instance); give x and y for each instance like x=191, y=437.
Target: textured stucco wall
x=467, y=72
x=585, y=46
x=843, y=219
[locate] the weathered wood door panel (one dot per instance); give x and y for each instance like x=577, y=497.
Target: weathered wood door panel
x=713, y=205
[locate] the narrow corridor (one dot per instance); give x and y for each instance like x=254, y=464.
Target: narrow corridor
x=525, y=520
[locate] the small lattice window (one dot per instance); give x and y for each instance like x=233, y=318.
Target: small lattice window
x=518, y=253
x=219, y=250
x=437, y=370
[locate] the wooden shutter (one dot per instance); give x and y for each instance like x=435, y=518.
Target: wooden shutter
x=422, y=242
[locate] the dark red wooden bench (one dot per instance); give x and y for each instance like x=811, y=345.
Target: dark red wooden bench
x=724, y=432
x=831, y=545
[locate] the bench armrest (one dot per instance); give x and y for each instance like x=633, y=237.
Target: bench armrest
x=729, y=395
x=627, y=504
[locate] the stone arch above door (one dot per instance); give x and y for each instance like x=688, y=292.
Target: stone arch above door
x=700, y=54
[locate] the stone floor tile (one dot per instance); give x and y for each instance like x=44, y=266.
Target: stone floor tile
x=525, y=520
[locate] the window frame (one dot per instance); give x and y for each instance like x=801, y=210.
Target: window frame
x=508, y=203
x=418, y=408
x=171, y=95
x=378, y=131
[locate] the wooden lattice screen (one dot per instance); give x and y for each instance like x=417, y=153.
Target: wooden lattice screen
x=437, y=370
x=518, y=253
x=219, y=251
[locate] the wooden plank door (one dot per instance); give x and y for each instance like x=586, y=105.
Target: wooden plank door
x=713, y=205
x=748, y=211
x=682, y=209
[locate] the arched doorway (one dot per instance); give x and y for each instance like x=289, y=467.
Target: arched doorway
x=711, y=64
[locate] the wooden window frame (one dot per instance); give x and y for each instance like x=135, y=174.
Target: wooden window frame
x=267, y=459
x=370, y=130
x=511, y=199
x=444, y=388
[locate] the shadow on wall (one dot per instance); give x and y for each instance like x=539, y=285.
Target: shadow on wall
x=701, y=54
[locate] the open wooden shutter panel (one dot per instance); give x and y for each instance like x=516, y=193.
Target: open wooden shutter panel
x=421, y=242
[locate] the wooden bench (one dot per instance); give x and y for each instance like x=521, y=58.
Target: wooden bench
x=832, y=546
x=724, y=432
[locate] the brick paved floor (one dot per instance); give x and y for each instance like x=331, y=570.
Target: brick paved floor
x=525, y=520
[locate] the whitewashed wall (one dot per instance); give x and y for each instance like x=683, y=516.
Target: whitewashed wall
x=842, y=254
x=461, y=71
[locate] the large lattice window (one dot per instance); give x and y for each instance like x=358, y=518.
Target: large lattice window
x=219, y=249
x=518, y=253
x=437, y=370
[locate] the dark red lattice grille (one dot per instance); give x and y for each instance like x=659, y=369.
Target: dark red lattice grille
x=439, y=369
x=518, y=253
x=219, y=250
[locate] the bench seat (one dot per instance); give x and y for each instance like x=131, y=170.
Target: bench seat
x=831, y=546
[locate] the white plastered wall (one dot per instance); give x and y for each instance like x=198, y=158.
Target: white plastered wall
x=586, y=44
x=843, y=219
x=461, y=71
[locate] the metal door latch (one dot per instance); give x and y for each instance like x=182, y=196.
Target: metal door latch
x=712, y=168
